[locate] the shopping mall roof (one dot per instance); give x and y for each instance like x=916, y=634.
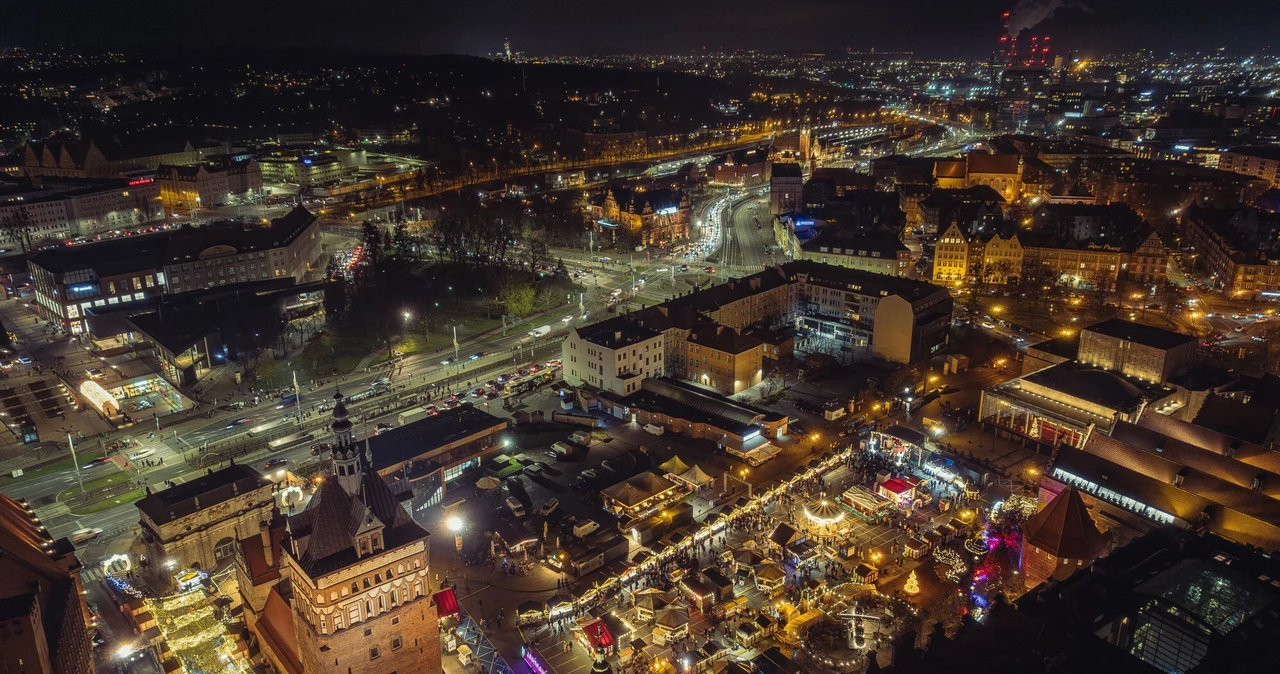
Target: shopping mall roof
x=415, y=440
x=1140, y=334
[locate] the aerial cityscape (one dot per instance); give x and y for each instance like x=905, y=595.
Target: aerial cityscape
x=722, y=338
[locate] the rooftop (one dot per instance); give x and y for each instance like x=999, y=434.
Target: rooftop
x=1138, y=333
x=786, y=170
x=207, y=490
x=406, y=443
x=868, y=283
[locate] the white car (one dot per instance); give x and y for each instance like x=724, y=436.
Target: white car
x=85, y=535
x=549, y=507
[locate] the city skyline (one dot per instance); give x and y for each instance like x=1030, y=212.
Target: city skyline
x=928, y=28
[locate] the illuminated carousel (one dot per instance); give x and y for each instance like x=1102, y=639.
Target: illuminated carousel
x=842, y=627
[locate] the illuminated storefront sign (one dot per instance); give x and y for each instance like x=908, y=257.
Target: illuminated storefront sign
x=141, y=181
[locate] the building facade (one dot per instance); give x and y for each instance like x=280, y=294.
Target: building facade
x=186, y=189
x=1256, y=162
x=786, y=188
x=613, y=357
x=724, y=359
x=197, y=524
x=303, y=171
x=883, y=255
x=60, y=209
x=44, y=621
x=68, y=282
x=352, y=590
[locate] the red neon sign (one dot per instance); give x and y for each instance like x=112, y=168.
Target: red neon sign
x=141, y=181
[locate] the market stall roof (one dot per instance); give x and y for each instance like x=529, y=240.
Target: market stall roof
x=653, y=601
x=696, y=476
x=906, y=435
x=895, y=486
x=771, y=571
x=674, y=466
x=530, y=607
x=446, y=602
x=638, y=489
x=783, y=535
x=673, y=618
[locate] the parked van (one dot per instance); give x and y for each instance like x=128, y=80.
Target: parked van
x=581, y=437
x=654, y=429
x=585, y=528
x=516, y=507
x=563, y=449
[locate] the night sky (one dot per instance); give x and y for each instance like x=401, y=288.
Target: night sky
x=931, y=28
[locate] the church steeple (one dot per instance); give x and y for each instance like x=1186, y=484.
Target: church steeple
x=346, y=454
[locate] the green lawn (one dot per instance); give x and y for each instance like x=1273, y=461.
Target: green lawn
x=66, y=464
x=72, y=492
x=127, y=497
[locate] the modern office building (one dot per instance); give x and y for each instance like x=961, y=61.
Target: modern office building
x=72, y=281
x=309, y=170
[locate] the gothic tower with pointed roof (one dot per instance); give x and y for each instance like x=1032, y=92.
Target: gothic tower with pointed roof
x=346, y=452
x=352, y=592
x=1060, y=539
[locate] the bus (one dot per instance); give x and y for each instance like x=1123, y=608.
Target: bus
x=267, y=427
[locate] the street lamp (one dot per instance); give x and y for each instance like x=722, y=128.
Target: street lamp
x=454, y=524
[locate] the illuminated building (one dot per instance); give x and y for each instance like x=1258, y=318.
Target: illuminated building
x=348, y=586
x=724, y=359
x=1256, y=162
x=71, y=282
x=196, y=524
x=44, y=618
x=879, y=255
x=60, y=208
x=1237, y=248
x=187, y=189
x=93, y=159
x=1059, y=539
x=786, y=188
x=311, y=170
x=651, y=216
x=1135, y=350
x=1022, y=98
x=1065, y=403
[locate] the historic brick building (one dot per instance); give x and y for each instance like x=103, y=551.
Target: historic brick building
x=343, y=586
x=196, y=524
x=1060, y=539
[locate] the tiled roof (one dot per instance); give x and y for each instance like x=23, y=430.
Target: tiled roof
x=207, y=490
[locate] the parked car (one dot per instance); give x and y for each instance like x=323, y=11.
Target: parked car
x=585, y=528
x=319, y=448
x=549, y=507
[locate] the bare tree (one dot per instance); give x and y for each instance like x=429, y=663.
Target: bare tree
x=17, y=226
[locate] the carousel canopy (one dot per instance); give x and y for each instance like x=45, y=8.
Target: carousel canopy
x=696, y=476
x=486, y=483
x=824, y=512
x=673, y=618
x=674, y=466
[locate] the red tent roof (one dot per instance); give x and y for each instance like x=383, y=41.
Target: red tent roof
x=895, y=485
x=598, y=634
x=446, y=602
